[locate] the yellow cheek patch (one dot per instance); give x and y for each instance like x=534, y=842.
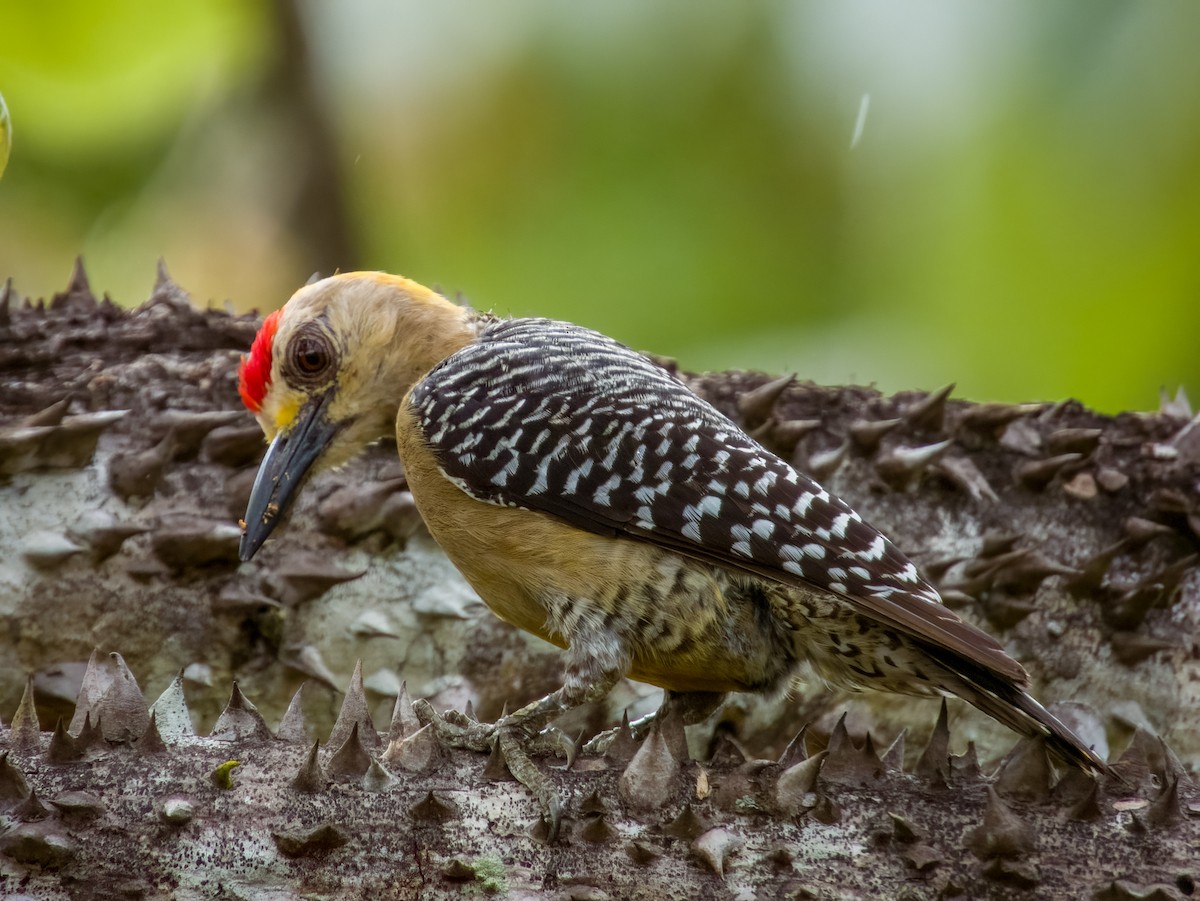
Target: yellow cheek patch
x=285, y=413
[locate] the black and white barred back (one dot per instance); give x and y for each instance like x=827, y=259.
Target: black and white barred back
x=556, y=418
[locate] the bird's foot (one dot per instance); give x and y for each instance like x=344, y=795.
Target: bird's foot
x=457, y=730
x=517, y=745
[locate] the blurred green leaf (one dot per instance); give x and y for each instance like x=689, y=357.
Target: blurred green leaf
x=95, y=78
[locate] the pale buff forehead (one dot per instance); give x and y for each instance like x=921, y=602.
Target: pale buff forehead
x=346, y=294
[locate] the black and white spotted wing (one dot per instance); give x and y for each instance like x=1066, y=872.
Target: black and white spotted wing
x=553, y=417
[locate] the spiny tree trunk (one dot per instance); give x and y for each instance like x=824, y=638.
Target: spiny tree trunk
x=125, y=461
x=138, y=806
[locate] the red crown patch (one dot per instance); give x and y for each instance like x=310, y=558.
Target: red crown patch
x=254, y=375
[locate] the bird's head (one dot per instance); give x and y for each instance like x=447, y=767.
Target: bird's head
x=327, y=372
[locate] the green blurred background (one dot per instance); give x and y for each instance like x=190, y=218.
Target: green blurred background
x=1020, y=211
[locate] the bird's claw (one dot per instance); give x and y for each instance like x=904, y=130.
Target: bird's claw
x=600, y=742
x=552, y=742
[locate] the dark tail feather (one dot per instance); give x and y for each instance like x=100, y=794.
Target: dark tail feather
x=1003, y=700
x=1022, y=713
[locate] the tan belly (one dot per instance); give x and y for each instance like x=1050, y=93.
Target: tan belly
x=679, y=625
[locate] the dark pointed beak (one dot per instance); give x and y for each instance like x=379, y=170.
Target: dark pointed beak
x=282, y=471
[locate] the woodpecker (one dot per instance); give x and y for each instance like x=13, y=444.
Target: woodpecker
x=592, y=499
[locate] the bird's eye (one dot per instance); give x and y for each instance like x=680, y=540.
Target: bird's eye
x=311, y=355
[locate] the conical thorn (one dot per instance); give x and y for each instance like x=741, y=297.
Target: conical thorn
x=929, y=412
x=757, y=404
x=351, y=761
x=310, y=778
